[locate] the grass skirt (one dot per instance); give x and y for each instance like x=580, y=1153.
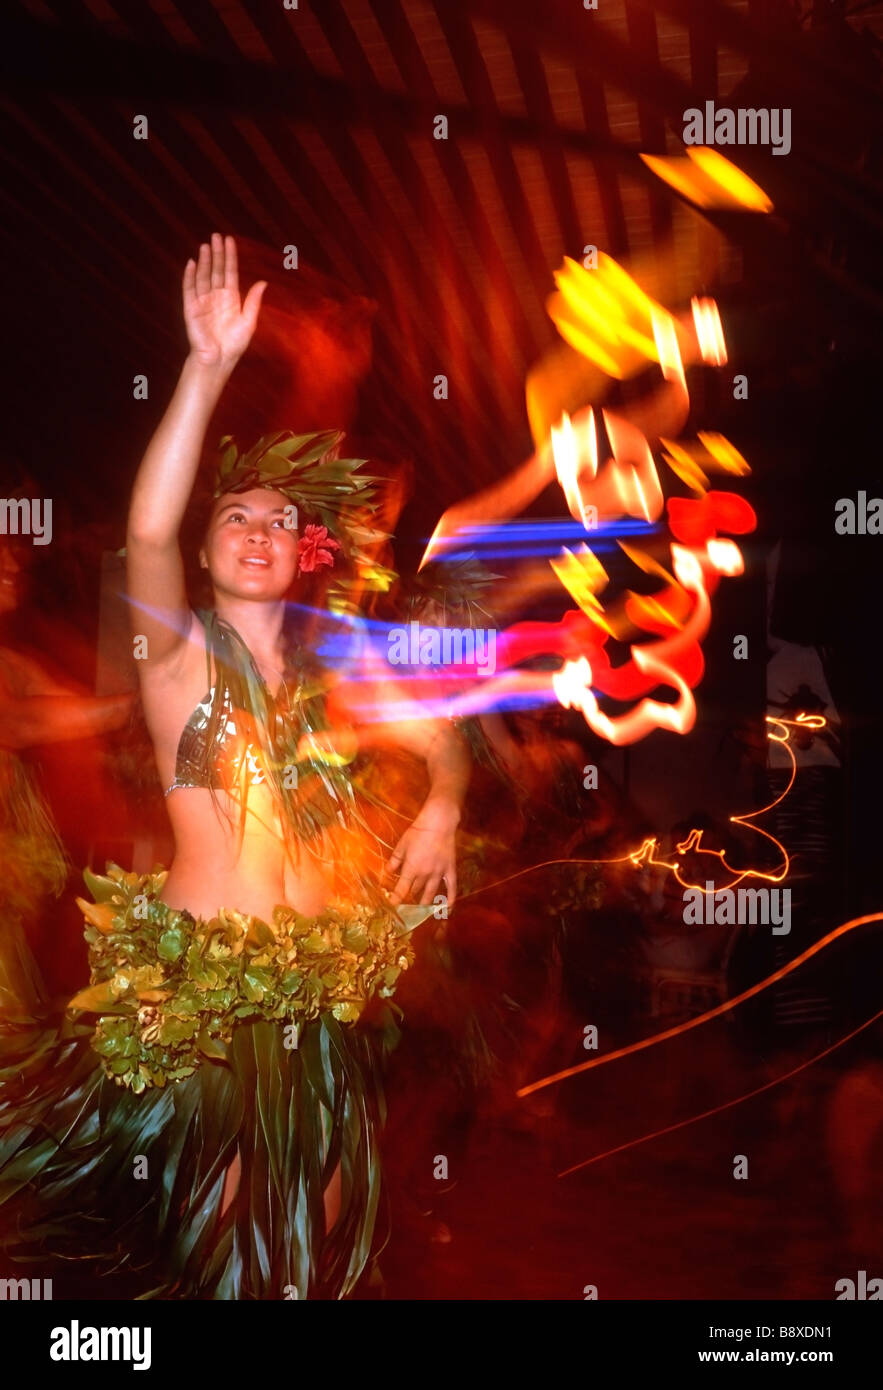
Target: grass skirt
x=213, y=1039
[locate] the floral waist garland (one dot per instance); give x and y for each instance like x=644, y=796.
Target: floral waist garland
x=171, y=988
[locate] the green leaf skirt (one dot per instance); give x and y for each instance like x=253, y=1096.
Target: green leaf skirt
x=197, y=1043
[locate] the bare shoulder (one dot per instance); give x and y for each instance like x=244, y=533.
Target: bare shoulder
x=170, y=682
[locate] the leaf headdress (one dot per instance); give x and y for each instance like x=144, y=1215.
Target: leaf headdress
x=308, y=470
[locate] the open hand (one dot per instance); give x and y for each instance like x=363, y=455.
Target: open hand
x=219, y=327
x=425, y=857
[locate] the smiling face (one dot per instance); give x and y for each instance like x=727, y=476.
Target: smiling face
x=250, y=547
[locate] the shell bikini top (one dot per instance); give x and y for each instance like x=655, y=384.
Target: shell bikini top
x=225, y=745
x=191, y=760
x=197, y=764
x=214, y=746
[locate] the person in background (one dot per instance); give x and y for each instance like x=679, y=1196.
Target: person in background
x=35, y=709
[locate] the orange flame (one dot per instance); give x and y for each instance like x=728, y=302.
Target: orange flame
x=709, y=180
x=633, y=479
x=778, y=732
x=582, y=575
x=571, y=686
x=725, y=557
x=667, y=350
x=709, y=331
x=572, y=683
x=569, y=462
x=613, y=322
x=606, y=316
x=725, y=455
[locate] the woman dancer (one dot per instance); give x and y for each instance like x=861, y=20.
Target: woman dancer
x=228, y=991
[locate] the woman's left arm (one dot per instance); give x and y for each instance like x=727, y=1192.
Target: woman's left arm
x=383, y=716
x=426, y=856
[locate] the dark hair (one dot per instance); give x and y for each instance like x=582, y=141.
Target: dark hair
x=309, y=590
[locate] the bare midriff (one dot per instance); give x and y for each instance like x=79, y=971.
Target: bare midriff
x=219, y=861
x=213, y=867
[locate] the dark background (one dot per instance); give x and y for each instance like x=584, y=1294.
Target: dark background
x=417, y=257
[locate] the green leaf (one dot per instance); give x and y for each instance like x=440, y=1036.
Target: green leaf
x=259, y=933
x=178, y=1030
x=100, y=886
x=347, y=1013
x=255, y=984
x=211, y=1047
x=100, y=999
x=189, y=1000
x=172, y=944
x=354, y=939
x=112, y=1041
x=276, y=465
x=147, y=977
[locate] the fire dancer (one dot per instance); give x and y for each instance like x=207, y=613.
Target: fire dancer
x=227, y=991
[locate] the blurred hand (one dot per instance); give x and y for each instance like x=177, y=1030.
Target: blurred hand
x=424, y=857
x=219, y=327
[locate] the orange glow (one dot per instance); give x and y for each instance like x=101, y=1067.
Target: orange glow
x=667, y=350
x=711, y=452
x=645, y=562
x=605, y=315
x=725, y=455
x=583, y=575
x=440, y=533
x=709, y=180
x=591, y=460
x=569, y=463
x=654, y=659
x=646, y=854
x=682, y=463
x=573, y=688
x=709, y=331
x=648, y=612
x=633, y=478
x=730, y=180
x=726, y=557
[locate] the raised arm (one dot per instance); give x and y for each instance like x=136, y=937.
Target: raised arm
x=219, y=329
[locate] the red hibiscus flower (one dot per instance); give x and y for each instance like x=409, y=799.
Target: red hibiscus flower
x=314, y=548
